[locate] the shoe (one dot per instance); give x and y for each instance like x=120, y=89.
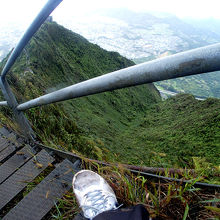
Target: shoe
x=93, y=193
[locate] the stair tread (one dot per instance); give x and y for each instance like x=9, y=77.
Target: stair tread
x=17, y=182
x=42, y=198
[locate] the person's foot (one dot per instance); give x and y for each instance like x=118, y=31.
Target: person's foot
x=93, y=193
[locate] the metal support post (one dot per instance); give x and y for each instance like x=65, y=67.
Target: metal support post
x=20, y=118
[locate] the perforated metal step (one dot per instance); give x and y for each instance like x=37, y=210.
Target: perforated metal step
x=3, y=143
x=15, y=162
x=43, y=197
x=15, y=183
x=8, y=151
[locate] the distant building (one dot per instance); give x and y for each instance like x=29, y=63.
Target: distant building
x=50, y=19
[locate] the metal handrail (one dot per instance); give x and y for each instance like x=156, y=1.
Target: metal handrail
x=197, y=61
x=7, y=92
x=38, y=21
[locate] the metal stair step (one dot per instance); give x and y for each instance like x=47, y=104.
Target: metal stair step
x=15, y=162
x=6, y=140
x=9, y=150
x=42, y=198
x=3, y=143
x=4, y=131
x=17, y=182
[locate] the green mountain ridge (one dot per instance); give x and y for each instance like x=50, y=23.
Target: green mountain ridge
x=148, y=36
x=129, y=125
x=57, y=57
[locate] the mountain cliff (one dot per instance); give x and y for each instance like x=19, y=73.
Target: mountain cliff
x=129, y=125
x=57, y=57
x=140, y=37
x=146, y=36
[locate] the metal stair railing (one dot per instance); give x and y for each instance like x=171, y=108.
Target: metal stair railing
x=7, y=93
x=192, y=62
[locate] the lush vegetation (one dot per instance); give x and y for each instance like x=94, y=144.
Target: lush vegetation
x=179, y=132
x=57, y=57
x=168, y=200
x=203, y=85
x=130, y=125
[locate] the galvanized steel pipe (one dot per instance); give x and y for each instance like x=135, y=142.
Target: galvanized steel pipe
x=196, y=61
x=38, y=21
x=3, y=103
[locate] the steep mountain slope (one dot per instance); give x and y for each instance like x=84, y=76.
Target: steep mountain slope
x=175, y=132
x=146, y=36
x=57, y=57
x=130, y=125
x=140, y=37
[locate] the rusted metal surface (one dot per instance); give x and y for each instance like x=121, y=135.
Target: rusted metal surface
x=65, y=155
x=73, y=157
x=140, y=170
x=160, y=170
x=15, y=162
x=196, y=61
x=15, y=183
x=43, y=197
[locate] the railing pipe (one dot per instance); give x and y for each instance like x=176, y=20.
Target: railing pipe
x=3, y=103
x=196, y=61
x=38, y=21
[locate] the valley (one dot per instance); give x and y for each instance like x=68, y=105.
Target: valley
x=132, y=126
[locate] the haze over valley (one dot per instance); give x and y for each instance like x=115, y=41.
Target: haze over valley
x=173, y=125
x=141, y=37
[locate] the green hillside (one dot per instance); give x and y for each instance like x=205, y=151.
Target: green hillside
x=202, y=85
x=174, y=133
x=130, y=125
x=57, y=57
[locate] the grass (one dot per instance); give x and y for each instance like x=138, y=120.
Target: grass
x=131, y=126
x=179, y=132
x=163, y=200
x=58, y=58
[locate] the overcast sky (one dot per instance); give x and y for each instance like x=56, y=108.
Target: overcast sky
x=25, y=10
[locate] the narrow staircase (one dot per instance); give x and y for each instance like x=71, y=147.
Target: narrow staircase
x=20, y=165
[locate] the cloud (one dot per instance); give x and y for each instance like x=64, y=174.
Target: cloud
x=25, y=10
x=186, y=8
